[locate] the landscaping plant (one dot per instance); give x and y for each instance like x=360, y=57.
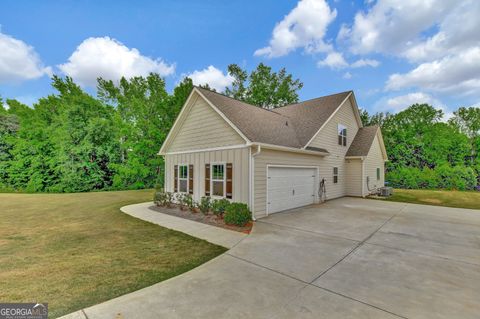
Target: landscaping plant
x=205, y=204
x=237, y=214
x=219, y=206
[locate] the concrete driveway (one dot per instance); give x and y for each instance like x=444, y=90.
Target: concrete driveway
x=347, y=258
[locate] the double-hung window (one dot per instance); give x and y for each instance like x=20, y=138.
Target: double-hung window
x=335, y=175
x=378, y=173
x=183, y=178
x=342, y=135
x=218, y=180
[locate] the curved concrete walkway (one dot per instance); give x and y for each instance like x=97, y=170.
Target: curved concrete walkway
x=215, y=235
x=347, y=258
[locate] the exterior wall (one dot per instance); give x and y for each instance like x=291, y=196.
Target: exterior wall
x=354, y=173
x=203, y=128
x=273, y=157
x=239, y=157
x=328, y=138
x=373, y=160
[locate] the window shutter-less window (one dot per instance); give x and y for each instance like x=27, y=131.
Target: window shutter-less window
x=175, y=178
x=207, y=179
x=229, y=181
x=190, y=179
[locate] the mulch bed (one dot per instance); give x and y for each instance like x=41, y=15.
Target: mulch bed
x=209, y=219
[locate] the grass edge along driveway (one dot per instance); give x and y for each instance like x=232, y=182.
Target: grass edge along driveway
x=458, y=199
x=77, y=250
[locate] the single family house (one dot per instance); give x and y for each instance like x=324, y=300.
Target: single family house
x=272, y=159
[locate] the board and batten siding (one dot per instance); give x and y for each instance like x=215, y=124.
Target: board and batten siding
x=203, y=128
x=327, y=138
x=373, y=161
x=273, y=157
x=354, y=173
x=239, y=157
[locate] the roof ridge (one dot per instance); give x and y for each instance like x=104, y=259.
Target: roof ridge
x=315, y=98
x=248, y=104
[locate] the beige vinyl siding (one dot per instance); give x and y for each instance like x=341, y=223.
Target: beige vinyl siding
x=203, y=128
x=373, y=161
x=354, y=169
x=328, y=138
x=273, y=157
x=239, y=157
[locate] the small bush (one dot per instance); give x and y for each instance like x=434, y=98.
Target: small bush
x=181, y=200
x=189, y=202
x=219, y=206
x=237, y=214
x=162, y=198
x=205, y=205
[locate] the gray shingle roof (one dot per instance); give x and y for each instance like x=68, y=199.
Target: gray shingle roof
x=363, y=141
x=292, y=125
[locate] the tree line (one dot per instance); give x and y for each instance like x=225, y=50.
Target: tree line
x=427, y=151
x=72, y=141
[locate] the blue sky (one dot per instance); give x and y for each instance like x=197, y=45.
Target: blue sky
x=390, y=52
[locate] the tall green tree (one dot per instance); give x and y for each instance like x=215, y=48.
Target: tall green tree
x=467, y=119
x=146, y=113
x=263, y=87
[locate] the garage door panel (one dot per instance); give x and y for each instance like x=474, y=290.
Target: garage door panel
x=290, y=187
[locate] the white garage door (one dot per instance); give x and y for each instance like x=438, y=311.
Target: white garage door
x=290, y=187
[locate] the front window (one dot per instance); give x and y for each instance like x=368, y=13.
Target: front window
x=335, y=175
x=218, y=180
x=342, y=135
x=183, y=178
x=378, y=174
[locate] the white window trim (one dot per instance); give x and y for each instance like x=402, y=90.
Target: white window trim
x=217, y=180
x=178, y=178
x=340, y=134
x=337, y=175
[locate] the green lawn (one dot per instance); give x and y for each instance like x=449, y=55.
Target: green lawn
x=459, y=199
x=76, y=250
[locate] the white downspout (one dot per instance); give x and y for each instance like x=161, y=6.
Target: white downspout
x=251, y=178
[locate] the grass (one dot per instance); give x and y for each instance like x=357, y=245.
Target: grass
x=460, y=199
x=76, y=250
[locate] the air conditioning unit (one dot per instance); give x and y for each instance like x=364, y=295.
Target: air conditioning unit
x=386, y=191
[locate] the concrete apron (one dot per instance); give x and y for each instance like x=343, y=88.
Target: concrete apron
x=347, y=258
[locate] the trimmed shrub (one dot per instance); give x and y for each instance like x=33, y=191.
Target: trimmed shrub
x=205, y=205
x=237, y=214
x=219, y=206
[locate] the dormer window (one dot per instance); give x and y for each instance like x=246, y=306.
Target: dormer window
x=342, y=135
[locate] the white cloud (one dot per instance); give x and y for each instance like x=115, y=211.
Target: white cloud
x=457, y=32
x=391, y=26
x=399, y=103
x=365, y=62
x=19, y=61
x=304, y=27
x=347, y=75
x=110, y=59
x=211, y=76
x=452, y=74
x=334, y=60
x=439, y=37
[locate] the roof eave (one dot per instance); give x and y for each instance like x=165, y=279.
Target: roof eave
x=290, y=149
